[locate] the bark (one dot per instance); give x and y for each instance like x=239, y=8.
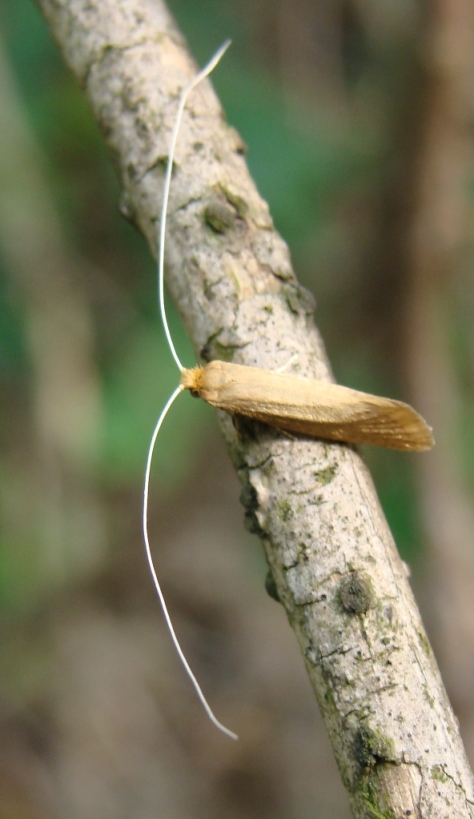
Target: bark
x=313, y=504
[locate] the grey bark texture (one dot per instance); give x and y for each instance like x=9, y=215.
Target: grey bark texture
x=330, y=552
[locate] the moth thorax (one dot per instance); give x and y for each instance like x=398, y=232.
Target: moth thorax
x=192, y=379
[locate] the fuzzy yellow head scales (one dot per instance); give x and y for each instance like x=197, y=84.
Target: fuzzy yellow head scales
x=192, y=379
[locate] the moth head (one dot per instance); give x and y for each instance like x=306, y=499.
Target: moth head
x=192, y=380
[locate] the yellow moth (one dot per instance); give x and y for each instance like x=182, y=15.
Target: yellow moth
x=288, y=402
x=316, y=408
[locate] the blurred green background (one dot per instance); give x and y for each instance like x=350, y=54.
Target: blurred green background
x=358, y=121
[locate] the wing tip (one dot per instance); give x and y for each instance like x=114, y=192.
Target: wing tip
x=426, y=439
x=418, y=435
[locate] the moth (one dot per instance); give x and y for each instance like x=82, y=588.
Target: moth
x=302, y=405
x=288, y=402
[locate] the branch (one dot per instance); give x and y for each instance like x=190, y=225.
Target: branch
x=330, y=552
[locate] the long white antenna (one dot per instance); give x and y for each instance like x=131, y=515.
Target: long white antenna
x=161, y=255
x=154, y=575
x=164, y=208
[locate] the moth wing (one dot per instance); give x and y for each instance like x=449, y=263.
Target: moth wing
x=315, y=408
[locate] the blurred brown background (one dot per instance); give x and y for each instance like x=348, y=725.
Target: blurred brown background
x=358, y=115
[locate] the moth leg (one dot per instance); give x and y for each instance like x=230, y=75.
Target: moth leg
x=290, y=361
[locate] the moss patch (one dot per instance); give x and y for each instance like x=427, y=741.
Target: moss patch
x=373, y=747
x=424, y=642
x=439, y=774
x=285, y=512
x=326, y=475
